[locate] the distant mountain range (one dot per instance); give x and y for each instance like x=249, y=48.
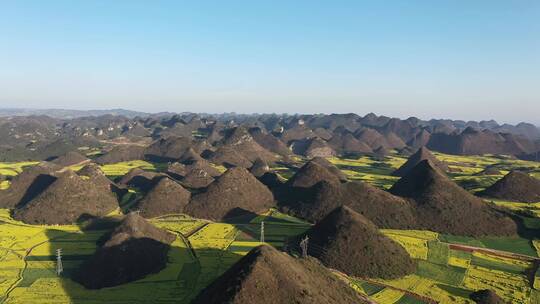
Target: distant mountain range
x=69, y=114
x=40, y=134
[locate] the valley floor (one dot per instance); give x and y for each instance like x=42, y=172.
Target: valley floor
x=449, y=267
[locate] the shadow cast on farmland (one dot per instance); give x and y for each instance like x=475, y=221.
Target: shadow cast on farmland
x=239, y=215
x=186, y=273
x=277, y=231
x=528, y=227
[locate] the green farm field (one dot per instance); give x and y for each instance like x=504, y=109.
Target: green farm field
x=449, y=267
x=202, y=251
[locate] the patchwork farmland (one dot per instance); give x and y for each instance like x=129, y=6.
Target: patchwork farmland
x=449, y=268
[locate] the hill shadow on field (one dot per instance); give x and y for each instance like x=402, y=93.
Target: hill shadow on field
x=528, y=226
x=278, y=231
x=186, y=273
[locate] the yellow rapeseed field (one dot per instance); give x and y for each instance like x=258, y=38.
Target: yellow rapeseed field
x=217, y=246
x=387, y=296
x=416, y=247
x=506, y=260
x=4, y=185
x=11, y=169
x=511, y=287
x=426, y=287
x=122, y=168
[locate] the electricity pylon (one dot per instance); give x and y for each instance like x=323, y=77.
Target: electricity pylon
x=59, y=267
x=262, y=232
x=304, y=246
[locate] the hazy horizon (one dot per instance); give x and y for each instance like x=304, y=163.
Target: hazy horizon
x=453, y=59
x=262, y=113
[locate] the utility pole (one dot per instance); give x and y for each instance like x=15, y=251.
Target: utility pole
x=304, y=246
x=262, y=231
x=59, y=267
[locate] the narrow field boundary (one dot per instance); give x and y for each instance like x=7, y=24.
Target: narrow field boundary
x=192, y=232
x=500, y=253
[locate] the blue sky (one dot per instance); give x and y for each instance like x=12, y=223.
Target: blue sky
x=445, y=59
